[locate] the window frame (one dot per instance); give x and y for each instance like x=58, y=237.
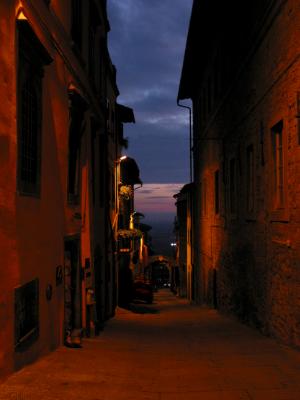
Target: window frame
x=232, y=183
x=250, y=198
x=29, y=139
x=77, y=109
x=203, y=198
x=32, y=58
x=76, y=26
x=279, y=208
x=26, y=310
x=217, y=193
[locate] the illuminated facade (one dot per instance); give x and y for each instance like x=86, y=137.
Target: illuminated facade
x=60, y=134
x=242, y=72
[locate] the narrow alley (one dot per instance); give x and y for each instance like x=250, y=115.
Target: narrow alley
x=167, y=350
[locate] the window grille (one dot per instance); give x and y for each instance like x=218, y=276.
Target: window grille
x=250, y=179
x=232, y=186
x=278, y=166
x=217, y=192
x=32, y=57
x=26, y=312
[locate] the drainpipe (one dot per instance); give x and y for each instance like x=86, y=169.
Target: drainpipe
x=190, y=196
x=190, y=137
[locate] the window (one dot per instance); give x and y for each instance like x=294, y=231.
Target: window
x=250, y=179
x=102, y=170
x=32, y=58
x=209, y=96
x=113, y=121
x=217, y=192
x=76, y=23
x=278, y=166
x=94, y=22
x=216, y=80
x=30, y=135
x=113, y=190
x=92, y=57
x=203, y=106
x=108, y=115
x=120, y=221
x=101, y=72
x=77, y=110
x=93, y=157
x=204, y=198
x=198, y=107
x=298, y=115
x=232, y=186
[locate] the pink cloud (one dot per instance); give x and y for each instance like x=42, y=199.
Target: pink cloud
x=157, y=197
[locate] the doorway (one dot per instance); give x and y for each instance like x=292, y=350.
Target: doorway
x=72, y=288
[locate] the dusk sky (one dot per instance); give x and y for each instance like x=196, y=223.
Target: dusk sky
x=147, y=42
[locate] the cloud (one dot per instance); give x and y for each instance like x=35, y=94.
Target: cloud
x=161, y=152
x=167, y=120
x=146, y=42
x=146, y=191
x=156, y=198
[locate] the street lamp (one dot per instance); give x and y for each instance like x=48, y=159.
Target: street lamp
x=131, y=220
x=117, y=177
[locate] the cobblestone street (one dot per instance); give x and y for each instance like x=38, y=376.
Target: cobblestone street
x=167, y=351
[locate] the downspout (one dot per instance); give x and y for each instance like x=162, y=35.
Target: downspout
x=190, y=196
x=190, y=137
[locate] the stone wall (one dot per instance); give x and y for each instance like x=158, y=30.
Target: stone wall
x=256, y=253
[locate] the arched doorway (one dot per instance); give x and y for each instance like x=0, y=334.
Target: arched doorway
x=159, y=271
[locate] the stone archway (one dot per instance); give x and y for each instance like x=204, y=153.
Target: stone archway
x=159, y=270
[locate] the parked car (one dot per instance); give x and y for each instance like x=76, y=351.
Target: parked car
x=143, y=291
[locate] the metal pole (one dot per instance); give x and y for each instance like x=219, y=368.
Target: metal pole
x=190, y=138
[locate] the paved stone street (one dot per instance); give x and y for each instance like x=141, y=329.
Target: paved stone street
x=167, y=351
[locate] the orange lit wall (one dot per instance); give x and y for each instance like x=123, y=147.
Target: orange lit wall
x=248, y=260
x=32, y=230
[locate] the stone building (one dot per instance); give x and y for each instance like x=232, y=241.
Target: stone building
x=60, y=135
x=241, y=70
x=184, y=263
